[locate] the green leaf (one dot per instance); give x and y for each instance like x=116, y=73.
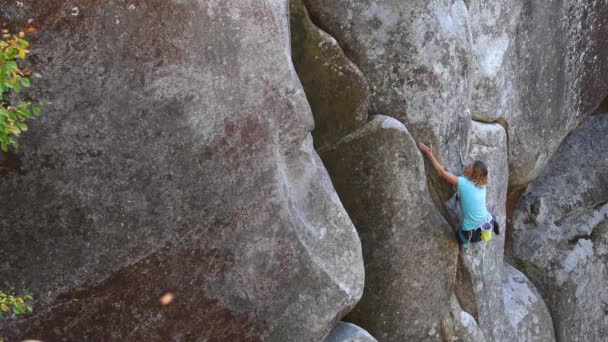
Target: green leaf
x=14, y=115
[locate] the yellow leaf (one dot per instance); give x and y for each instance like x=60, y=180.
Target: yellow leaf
x=14, y=129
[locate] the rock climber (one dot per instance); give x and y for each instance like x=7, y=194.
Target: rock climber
x=477, y=222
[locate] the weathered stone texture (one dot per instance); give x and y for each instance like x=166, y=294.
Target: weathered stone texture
x=458, y=325
x=408, y=249
x=506, y=305
x=561, y=48
x=483, y=261
x=174, y=154
x=494, y=61
x=347, y=332
x=415, y=57
x=435, y=64
x=560, y=235
x=525, y=309
x=535, y=67
x=335, y=87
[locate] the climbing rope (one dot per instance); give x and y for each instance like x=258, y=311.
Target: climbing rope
x=482, y=272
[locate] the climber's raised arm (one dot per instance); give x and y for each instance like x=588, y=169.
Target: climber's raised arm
x=452, y=179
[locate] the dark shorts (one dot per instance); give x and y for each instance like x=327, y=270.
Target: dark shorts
x=466, y=236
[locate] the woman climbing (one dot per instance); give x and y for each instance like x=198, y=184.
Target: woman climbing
x=477, y=222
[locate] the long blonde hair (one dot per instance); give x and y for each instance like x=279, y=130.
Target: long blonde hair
x=479, y=173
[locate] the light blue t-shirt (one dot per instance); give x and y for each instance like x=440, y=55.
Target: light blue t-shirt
x=472, y=203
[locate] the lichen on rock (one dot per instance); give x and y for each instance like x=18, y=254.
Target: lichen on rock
x=561, y=233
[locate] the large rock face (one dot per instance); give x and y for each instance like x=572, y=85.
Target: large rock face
x=435, y=64
x=494, y=65
x=525, y=309
x=174, y=155
x=414, y=55
x=408, y=249
x=483, y=262
x=459, y=325
x=555, y=90
x=335, y=87
x=486, y=283
x=560, y=235
x=535, y=67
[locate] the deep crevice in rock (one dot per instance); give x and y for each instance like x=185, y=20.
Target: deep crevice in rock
x=598, y=205
x=514, y=193
x=513, y=197
x=335, y=87
x=602, y=108
x=319, y=24
x=578, y=237
x=463, y=289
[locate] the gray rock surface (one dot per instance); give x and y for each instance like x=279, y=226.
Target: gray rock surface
x=561, y=47
x=534, y=67
x=526, y=311
x=408, y=249
x=415, y=56
x=435, y=64
x=335, y=87
x=494, y=66
x=458, y=325
x=560, y=236
x=504, y=301
x=174, y=154
x=348, y=332
x=483, y=261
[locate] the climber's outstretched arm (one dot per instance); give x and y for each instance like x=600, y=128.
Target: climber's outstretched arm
x=452, y=179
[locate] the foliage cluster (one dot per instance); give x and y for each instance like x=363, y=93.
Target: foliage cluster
x=15, y=304
x=13, y=117
x=13, y=114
